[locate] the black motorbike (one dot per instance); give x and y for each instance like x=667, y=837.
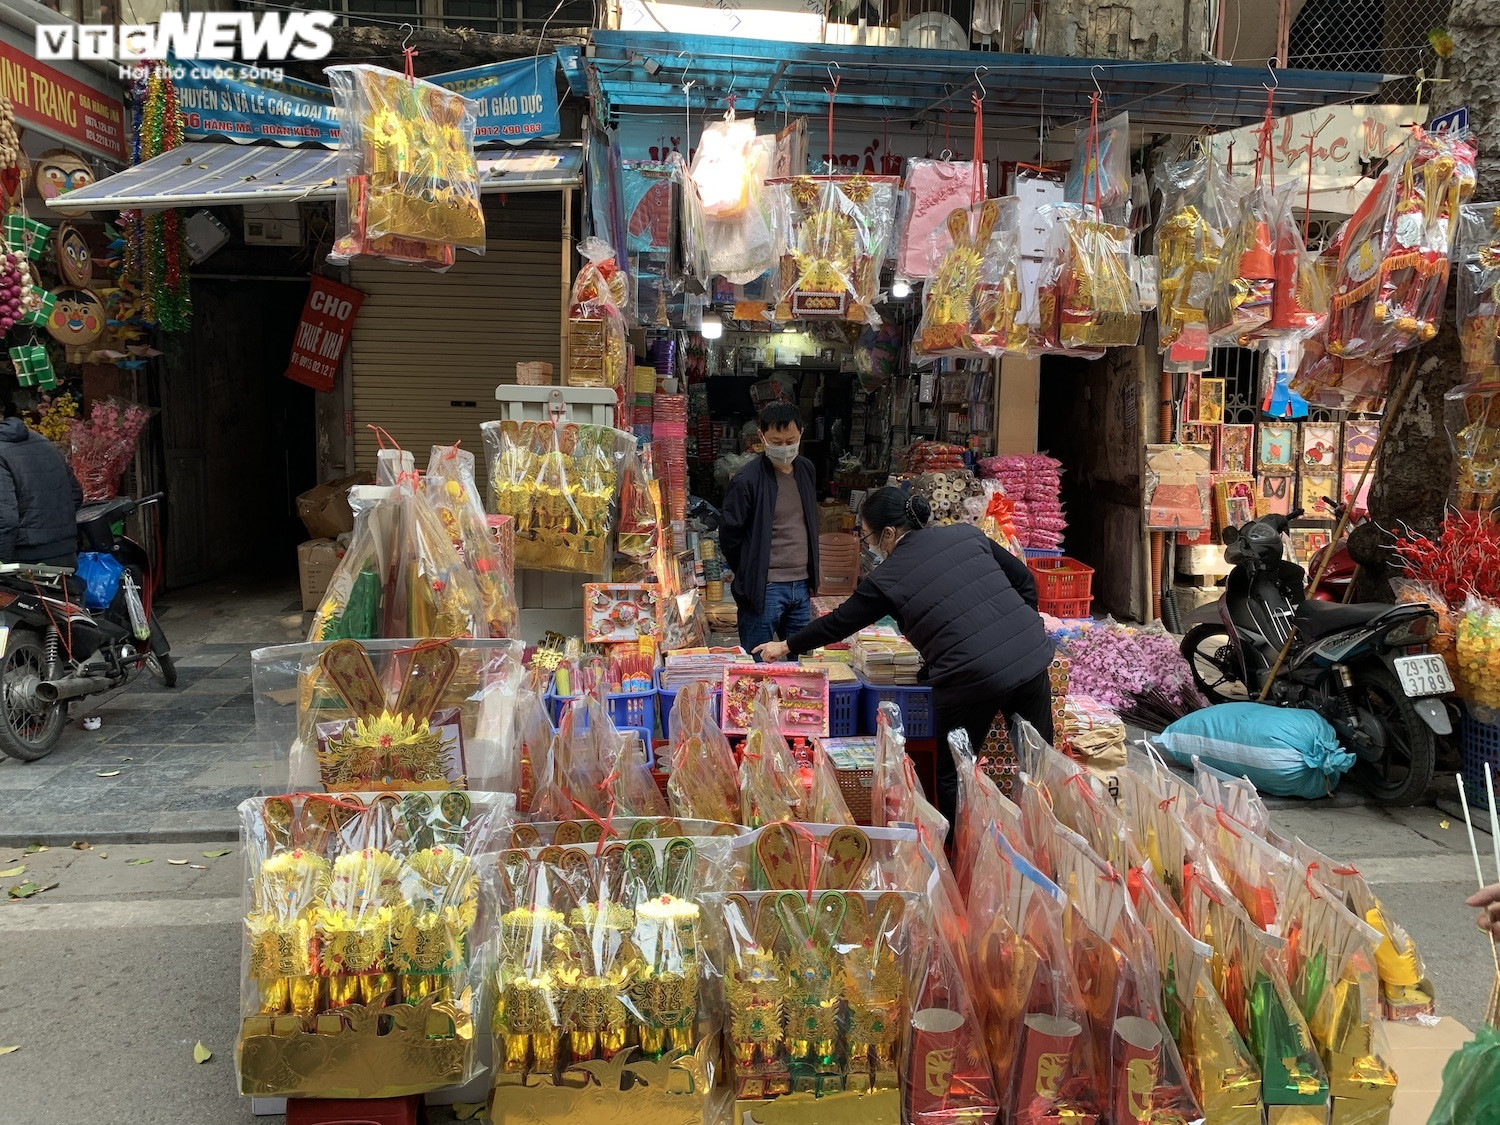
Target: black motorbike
x=56, y=650
x=1366, y=668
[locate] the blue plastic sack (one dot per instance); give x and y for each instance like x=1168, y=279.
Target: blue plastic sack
x=101, y=574
x=1284, y=752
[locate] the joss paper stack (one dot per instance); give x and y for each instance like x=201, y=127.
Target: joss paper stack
x=669, y=437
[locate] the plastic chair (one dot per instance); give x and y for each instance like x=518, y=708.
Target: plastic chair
x=838, y=565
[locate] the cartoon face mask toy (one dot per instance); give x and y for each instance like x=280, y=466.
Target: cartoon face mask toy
x=77, y=319
x=59, y=171
x=74, y=261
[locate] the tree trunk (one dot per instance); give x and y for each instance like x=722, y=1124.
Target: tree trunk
x=1415, y=472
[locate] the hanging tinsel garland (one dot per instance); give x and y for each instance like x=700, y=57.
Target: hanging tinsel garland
x=154, y=247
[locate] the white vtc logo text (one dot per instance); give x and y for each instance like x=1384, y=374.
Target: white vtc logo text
x=211, y=35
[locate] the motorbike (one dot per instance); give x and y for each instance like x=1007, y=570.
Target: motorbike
x=56, y=650
x=1365, y=668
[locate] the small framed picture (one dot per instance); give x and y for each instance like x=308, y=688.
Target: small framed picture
x=1234, y=500
x=1191, y=396
x=1320, y=446
x=1211, y=401
x=1317, y=493
x=1307, y=542
x=1273, y=494
x=1236, y=449
x=1359, y=443
x=1277, y=446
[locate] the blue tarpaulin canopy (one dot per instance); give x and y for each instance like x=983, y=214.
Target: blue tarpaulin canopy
x=647, y=70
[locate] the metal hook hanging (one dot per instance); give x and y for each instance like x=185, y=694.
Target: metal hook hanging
x=833, y=78
x=1098, y=91
x=979, y=74
x=410, y=31
x=1275, y=78
x=687, y=66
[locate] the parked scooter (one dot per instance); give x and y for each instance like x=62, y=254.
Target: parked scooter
x=56, y=650
x=1365, y=668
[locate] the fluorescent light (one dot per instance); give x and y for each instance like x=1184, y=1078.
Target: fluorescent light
x=900, y=289
x=712, y=327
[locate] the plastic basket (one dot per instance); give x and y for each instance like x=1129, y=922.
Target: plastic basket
x=1042, y=552
x=843, y=709
x=914, y=703
x=1478, y=743
x=1062, y=586
x=628, y=710
x=858, y=789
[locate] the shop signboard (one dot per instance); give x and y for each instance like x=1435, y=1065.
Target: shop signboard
x=515, y=102
x=323, y=332
x=1454, y=121
x=60, y=106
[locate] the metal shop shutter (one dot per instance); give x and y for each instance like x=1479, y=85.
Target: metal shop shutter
x=428, y=349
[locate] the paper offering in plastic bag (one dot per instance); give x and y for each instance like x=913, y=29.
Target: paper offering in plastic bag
x=453, y=493
x=728, y=176
x=1199, y=204
x=363, y=967
x=557, y=480
x=407, y=156
x=1100, y=172
x=596, y=319
x=952, y=297
x=933, y=188
x=832, y=243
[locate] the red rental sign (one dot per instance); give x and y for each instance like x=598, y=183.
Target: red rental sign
x=323, y=332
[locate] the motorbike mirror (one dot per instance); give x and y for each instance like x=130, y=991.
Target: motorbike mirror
x=1229, y=535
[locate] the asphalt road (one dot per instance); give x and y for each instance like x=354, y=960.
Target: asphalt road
x=109, y=979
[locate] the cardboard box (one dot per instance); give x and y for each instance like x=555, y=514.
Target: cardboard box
x=317, y=559
x=325, y=509
x=1418, y=1053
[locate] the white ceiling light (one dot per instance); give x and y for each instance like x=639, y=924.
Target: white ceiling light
x=900, y=289
x=712, y=327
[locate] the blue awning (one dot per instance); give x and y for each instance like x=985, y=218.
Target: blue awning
x=646, y=70
x=221, y=173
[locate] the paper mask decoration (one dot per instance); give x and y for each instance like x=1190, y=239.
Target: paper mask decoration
x=74, y=260
x=59, y=171
x=77, y=319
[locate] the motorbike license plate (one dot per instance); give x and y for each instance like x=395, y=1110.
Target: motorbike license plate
x=1423, y=675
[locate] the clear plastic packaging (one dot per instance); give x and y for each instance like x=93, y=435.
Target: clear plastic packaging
x=797, y=856
x=352, y=606
x=1179, y=484
x=933, y=188
x=363, y=969
x=1086, y=299
x=1258, y=873
x=896, y=795
x=389, y=715
x=825, y=802
x=831, y=244
x=999, y=328
x=597, y=352
x=1471, y=413
x=705, y=780
x=1237, y=796
x=1239, y=301
x=407, y=158
x=558, y=481
x=1478, y=290
x=770, y=778
x=960, y=257
x=452, y=491
x=600, y=967
x=1199, y=205
x=728, y=177
x=1357, y=254
x=982, y=808
x=1099, y=175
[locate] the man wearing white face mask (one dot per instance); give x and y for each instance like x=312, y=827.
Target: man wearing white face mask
x=770, y=532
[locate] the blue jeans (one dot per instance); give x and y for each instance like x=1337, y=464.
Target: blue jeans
x=787, y=610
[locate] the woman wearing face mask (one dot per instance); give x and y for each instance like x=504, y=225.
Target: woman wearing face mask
x=967, y=606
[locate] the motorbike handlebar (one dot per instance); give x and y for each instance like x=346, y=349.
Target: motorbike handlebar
x=154, y=498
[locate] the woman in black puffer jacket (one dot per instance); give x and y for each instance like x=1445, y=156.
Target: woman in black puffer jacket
x=967, y=605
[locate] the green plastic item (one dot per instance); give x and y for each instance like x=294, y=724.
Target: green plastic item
x=1471, y=1083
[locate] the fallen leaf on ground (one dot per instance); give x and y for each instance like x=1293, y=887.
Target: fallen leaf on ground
x=178, y=862
x=109, y=773
x=135, y=862
x=465, y=1110
x=1443, y=824
x=48, y=887
x=32, y=849
x=22, y=890
x=127, y=759
x=10, y=871
x=201, y=1054
x=217, y=854
x=10, y=1050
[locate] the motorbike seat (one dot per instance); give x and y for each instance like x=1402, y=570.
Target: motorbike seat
x=107, y=510
x=1316, y=618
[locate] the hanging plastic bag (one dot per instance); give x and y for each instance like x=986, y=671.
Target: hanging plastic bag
x=406, y=154
x=770, y=784
x=638, y=541
x=999, y=328
x=557, y=480
x=1299, y=300
x=704, y=782
x=596, y=320
x=1239, y=301
x=1100, y=171
x=728, y=172
x=952, y=299
x=1478, y=290
x=933, y=188
x=1086, y=300
x=832, y=244
x=453, y=493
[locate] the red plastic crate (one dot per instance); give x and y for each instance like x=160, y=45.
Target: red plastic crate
x=347, y=1111
x=1062, y=586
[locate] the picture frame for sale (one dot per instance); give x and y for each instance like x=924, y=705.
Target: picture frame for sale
x=1320, y=447
x=1273, y=494
x=615, y=612
x=1201, y=433
x=1359, y=443
x=1191, y=396
x=1317, y=493
x=1276, y=449
x=1234, y=500
x=1307, y=542
x=1211, y=401
x=1178, y=484
x=1236, y=449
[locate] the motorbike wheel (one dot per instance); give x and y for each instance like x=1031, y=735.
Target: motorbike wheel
x=162, y=667
x=1215, y=666
x=1403, y=774
x=28, y=729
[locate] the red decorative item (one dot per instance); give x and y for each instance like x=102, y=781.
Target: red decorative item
x=100, y=449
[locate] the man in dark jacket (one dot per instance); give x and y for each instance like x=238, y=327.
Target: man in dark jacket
x=770, y=532
x=39, y=499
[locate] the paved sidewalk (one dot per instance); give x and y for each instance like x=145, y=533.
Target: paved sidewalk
x=179, y=760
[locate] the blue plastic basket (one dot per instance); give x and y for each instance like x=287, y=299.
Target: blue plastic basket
x=1478, y=743
x=1042, y=552
x=628, y=710
x=914, y=703
x=843, y=709
x=667, y=699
